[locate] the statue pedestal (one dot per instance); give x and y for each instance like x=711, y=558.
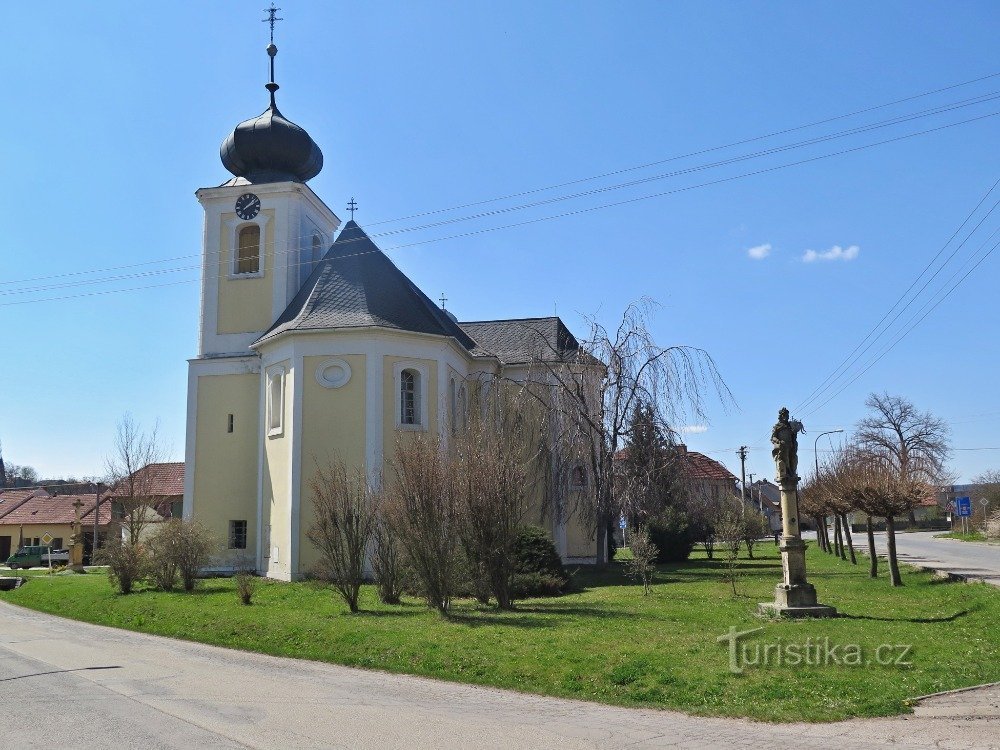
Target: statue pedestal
x=794, y=596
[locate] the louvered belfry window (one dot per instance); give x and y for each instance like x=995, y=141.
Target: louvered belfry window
x=248, y=250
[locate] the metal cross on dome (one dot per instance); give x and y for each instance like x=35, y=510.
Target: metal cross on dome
x=352, y=206
x=272, y=19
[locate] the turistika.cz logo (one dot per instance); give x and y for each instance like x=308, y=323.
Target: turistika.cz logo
x=812, y=652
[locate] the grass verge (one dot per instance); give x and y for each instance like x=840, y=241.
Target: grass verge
x=972, y=536
x=605, y=641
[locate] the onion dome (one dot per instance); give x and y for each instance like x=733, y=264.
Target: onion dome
x=270, y=147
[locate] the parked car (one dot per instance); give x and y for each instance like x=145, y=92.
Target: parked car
x=37, y=556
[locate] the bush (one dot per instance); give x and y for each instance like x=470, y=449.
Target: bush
x=643, y=562
x=126, y=562
x=538, y=570
x=673, y=534
x=388, y=564
x=246, y=580
x=163, y=555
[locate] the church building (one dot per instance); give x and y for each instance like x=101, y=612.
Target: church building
x=313, y=343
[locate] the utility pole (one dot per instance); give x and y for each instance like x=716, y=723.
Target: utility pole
x=750, y=474
x=742, y=453
x=97, y=512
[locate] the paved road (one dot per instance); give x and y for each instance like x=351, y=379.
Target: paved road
x=73, y=685
x=973, y=560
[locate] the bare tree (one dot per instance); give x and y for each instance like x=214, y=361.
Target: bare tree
x=424, y=508
x=193, y=548
x=497, y=456
x=594, y=392
x=729, y=531
x=134, y=492
x=344, y=512
x=914, y=444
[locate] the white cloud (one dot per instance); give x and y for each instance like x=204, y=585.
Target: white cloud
x=694, y=428
x=834, y=253
x=759, y=252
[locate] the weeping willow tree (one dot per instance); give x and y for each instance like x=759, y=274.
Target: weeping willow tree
x=591, y=394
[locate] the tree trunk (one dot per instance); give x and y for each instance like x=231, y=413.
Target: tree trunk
x=890, y=543
x=826, y=537
x=838, y=539
x=848, y=539
x=873, y=562
x=819, y=533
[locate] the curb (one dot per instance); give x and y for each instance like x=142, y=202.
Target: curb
x=954, y=692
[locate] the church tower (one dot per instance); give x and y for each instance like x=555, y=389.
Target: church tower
x=264, y=232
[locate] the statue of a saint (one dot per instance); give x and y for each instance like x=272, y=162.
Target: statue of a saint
x=785, y=439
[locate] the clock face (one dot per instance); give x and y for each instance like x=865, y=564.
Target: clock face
x=247, y=206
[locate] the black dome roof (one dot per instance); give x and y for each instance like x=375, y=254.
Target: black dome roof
x=271, y=148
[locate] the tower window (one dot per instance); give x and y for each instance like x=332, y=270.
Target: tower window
x=248, y=250
x=409, y=397
x=578, y=477
x=452, y=405
x=317, y=247
x=229, y=424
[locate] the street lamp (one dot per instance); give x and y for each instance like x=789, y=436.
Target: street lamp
x=816, y=459
x=816, y=447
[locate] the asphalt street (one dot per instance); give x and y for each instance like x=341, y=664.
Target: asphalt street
x=71, y=685
x=972, y=560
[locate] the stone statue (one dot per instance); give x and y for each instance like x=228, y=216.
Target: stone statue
x=785, y=439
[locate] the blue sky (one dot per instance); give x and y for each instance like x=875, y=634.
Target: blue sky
x=115, y=112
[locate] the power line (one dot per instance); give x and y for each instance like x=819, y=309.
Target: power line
x=616, y=204
x=851, y=358
x=910, y=329
x=511, y=196
x=940, y=109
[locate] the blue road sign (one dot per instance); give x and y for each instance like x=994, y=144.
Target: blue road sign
x=964, y=506
x=621, y=522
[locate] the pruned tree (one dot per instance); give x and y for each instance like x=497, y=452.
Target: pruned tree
x=873, y=483
x=343, y=523
x=497, y=459
x=593, y=393
x=424, y=507
x=912, y=443
x=729, y=531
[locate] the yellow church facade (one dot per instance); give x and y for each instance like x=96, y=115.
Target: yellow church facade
x=313, y=345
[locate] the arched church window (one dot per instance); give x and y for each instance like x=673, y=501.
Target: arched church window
x=317, y=248
x=248, y=250
x=409, y=397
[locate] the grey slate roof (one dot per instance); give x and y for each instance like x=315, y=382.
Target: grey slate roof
x=524, y=340
x=356, y=285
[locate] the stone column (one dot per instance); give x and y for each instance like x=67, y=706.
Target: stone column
x=794, y=596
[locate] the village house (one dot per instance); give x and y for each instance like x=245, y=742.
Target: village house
x=33, y=516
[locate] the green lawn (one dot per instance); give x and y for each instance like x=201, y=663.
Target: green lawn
x=972, y=536
x=603, y=642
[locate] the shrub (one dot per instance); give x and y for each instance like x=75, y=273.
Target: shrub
x=126, y=562
x=387, y=561
x=538, y=569
x=193, y=549
x=673, y=534
x=344, y=510
x=754, y=528
x=163, y=555
x=642, y=565
x=246, y=580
